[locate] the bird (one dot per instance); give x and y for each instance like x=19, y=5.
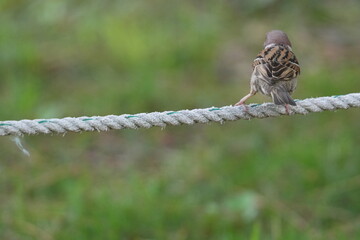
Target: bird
x=275, y=71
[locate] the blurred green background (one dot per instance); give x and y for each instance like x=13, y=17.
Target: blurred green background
x=292, y=177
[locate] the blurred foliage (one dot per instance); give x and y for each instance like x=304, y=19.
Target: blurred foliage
x=286, y=178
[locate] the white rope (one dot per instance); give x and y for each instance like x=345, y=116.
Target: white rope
x=162, y=119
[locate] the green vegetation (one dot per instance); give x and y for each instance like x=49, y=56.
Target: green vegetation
x=292, y=177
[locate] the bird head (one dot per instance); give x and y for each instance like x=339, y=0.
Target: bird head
x=277, y=37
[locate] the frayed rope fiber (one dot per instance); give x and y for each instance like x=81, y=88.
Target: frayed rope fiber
x=162, y=119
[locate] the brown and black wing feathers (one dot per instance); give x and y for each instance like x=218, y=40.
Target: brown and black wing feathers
x=277, y=63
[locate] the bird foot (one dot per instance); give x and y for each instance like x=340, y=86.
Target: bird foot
x=287, y=109
x=246, y=107
x=239, y=103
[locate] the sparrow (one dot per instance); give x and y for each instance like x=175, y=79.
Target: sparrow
x=275, y=70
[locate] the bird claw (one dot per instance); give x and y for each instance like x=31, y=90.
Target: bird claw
x=246, y=107
x=287, y=109
x=239, y=103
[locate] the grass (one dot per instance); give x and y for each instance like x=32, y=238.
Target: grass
x=283, y=178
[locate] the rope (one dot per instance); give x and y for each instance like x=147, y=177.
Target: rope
x=162, y=119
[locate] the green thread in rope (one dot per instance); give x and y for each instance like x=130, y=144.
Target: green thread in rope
x=5, y=124
x=131, y=116
x=170, y=113
x=87, y=119
x=45, y=121
x=214, y=109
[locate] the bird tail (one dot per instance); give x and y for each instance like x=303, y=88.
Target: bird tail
x=280, y=97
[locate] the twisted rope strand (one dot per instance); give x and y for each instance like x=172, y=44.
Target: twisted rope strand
x=162, y=119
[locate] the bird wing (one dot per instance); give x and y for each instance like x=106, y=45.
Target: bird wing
x=277, y=63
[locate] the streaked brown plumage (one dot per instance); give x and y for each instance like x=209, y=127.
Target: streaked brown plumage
x=275, y=70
